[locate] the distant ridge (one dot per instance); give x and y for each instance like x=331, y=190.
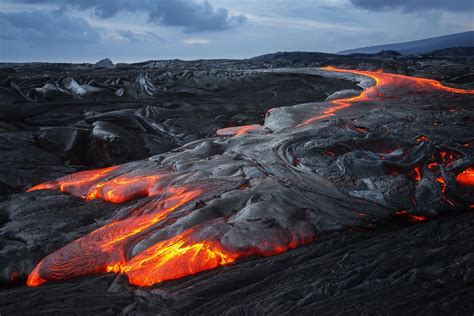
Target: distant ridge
x=465, y=39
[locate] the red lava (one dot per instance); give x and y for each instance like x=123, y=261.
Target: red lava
x=240, y=130
x=382, y=81
x=466, y=177
x=107, y=249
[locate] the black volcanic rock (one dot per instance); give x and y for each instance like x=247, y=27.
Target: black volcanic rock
x=453, y=52
x=465, y=39
x=389, y=53
x=347, y=180
x=104, y=63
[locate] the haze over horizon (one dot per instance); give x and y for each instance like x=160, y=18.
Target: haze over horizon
x=130, y=31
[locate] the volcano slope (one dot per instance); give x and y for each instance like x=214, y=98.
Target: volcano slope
x=335, y=206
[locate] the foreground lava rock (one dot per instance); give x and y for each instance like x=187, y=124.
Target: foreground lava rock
x=400, y=151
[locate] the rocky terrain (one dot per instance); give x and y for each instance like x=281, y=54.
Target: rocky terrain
x=285, y=183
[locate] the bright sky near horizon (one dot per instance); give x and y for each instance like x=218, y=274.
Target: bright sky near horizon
x=138, y=30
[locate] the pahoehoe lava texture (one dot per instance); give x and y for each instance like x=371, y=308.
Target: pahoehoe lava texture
x=315, y=176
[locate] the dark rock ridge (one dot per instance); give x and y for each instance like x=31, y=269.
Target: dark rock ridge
x=465, y=39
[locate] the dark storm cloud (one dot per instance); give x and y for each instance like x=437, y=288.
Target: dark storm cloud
x=191, y=15
x=46, y=27
x=415, y=5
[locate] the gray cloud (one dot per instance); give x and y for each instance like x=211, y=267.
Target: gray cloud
x=46, y=27
x=415, y=5
x=191, y=15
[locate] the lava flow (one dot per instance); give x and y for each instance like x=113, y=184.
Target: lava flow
x=76, y=182
x=141, y=244
x=379, y=89
x=466, y=177
x=105, y=248
x=108, y=248
x=240, y=130
x=175, y=258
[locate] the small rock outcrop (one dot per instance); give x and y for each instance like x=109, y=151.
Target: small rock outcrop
x=104, y=63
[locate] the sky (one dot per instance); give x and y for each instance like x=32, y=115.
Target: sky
x=139, y=30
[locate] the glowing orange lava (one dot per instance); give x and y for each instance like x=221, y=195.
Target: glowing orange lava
x=175, y=258
x=416, y=174
x=76, y=181
x=411, y=218
x=105, y=247
x=93, y=184
x=466, y=177
x=422, y=138
x=239, y=130
x=110, y=248
x=383, y=82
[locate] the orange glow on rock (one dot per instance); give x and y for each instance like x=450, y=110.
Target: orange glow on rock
x=104, y=250
x=241, y=130
x=442, y=183
x=75, y=182
x=175, y=258
x=382, y=82
x=122, y=189
x=415, y=174
x=95, y=184
x=108, y=249
x=466, y=177
x=411, y=218
x=449, y=157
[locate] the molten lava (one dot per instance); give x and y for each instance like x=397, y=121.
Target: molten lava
x=466, y=177
x=75, y=182
x=240, y=130
x=107, y=248
x=383, y=82
x=175, y=258
x=163, y=255
x=411, y=218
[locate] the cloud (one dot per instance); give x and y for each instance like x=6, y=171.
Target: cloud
x=196, y=41
x=46, y=27
x=415, y=5
x=131, y=36
x=192, y=16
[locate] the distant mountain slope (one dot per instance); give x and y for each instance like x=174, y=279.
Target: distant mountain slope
x=465, y=39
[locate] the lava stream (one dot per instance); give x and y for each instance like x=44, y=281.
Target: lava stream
x=376, y=92
x=110, y=248
x=466, y=177
x=106, y=247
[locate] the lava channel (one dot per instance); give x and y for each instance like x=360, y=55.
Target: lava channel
x=383, y=82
